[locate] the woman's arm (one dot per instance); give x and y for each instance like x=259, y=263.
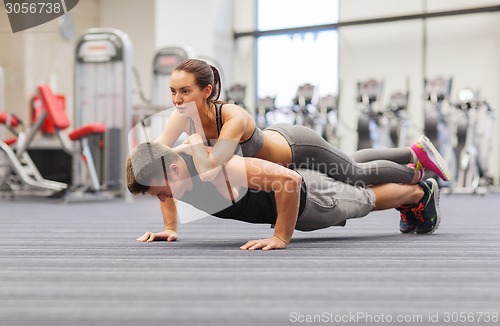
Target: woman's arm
x=233, y=128
x=174, y=127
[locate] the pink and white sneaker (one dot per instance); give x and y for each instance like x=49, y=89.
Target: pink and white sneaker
x=429, y=157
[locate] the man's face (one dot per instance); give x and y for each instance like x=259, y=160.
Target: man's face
x=161, y=192
x=175, y=187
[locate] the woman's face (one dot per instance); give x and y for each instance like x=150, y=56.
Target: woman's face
x=187, y=97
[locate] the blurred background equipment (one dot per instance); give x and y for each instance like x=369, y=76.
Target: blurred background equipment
x=103, y=93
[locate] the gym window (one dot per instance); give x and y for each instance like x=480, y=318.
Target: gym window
x=286, y=61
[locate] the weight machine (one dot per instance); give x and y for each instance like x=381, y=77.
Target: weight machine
x=373, y=131
x=440, y=124
x=473, y=163
x=103, y=93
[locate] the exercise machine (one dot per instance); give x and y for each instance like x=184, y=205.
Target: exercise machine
x=50, y=120
x=85, y=143
x=329, y=114
x=305, y=108
x=268, y=113
x=2, y=94
x=472, y=174
x=397, y=118
x=373, y=131
x=265, y=107
x=236, y=95
x=2, y=90
x=103, y=93
x=19, y=175
x=164, y=63
x=440, y=120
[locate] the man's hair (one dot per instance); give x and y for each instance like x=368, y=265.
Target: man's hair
x=146, y=163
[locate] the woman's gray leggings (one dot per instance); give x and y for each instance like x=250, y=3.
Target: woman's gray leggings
x=364, y=167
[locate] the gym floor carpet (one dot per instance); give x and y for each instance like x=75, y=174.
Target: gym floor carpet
x=79, y=264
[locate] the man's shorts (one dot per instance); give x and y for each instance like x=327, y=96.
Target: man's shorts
x=330, y=202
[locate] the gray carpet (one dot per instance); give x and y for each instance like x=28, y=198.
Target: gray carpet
x=78, y=264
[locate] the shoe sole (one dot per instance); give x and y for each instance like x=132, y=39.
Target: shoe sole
x=434, y=156
x=436, y=206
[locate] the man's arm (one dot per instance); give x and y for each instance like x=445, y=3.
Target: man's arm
x=268, y=176
x=169, y=214
x=169, y=233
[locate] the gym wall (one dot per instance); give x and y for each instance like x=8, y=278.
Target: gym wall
x=137, y=19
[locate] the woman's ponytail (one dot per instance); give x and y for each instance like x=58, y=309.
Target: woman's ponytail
x=214, y=97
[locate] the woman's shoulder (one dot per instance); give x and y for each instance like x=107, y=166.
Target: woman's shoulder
x=230, y=110
x=229, y=106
